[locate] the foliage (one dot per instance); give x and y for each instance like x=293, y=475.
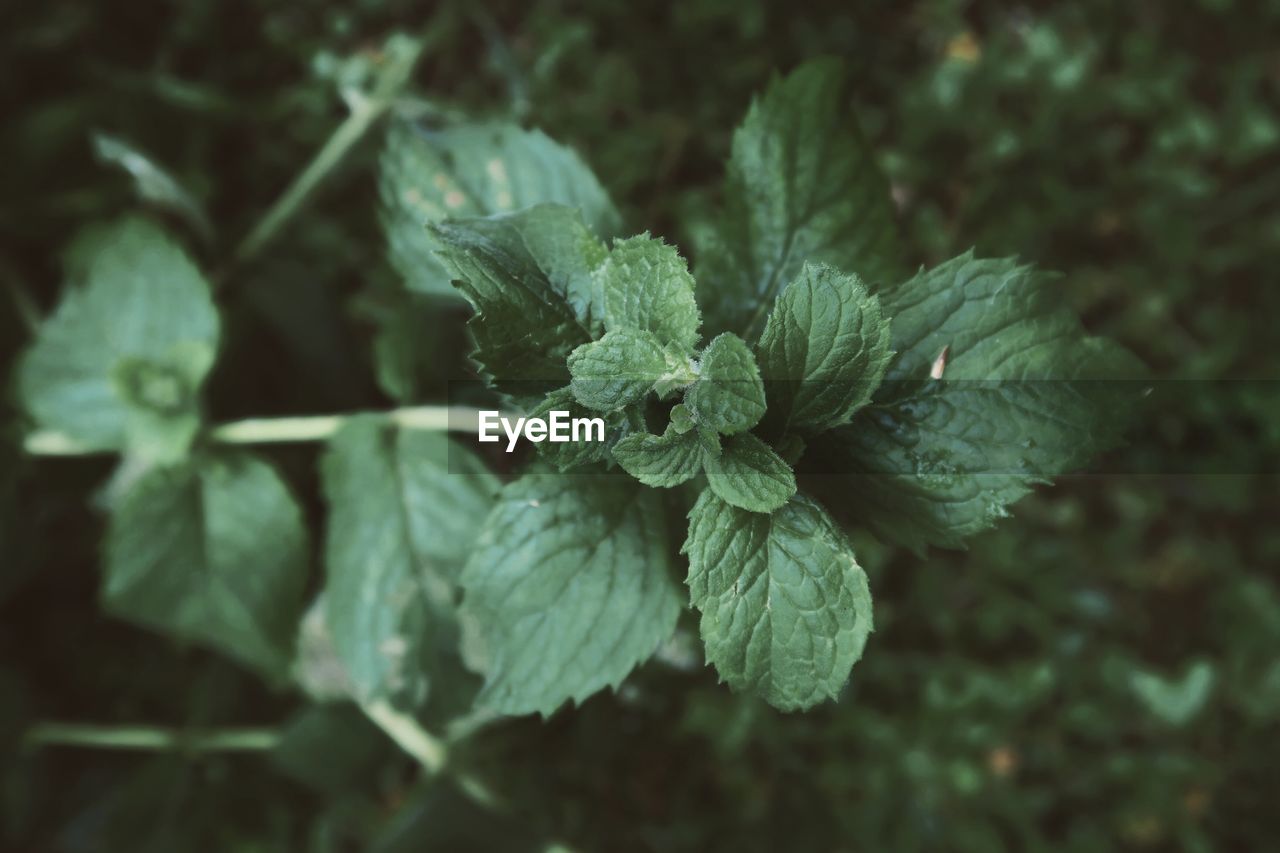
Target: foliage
x=813, y=420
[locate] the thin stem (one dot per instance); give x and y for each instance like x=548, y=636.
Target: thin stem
x=151, y=738
x=430, y=751
x=283, y=430
x=403, y=53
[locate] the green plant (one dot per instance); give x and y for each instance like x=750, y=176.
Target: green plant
x=919, y=405
x=1096, y=673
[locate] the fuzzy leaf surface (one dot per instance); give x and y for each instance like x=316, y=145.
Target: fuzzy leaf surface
x=729, y=395
x=663, y=460
x=646, y=286
x=824, y=350
x=786, y=610
x=750, y=476
x=617, y=370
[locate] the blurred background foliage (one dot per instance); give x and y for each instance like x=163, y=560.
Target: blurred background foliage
x=1100, y=672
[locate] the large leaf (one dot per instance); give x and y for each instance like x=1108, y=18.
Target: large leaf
x=405, y=508
x=474, y=170
x=526, y=322
x=1024, y=395
x=824, y=351
x=568, y=589
x=215, y=553
x=801, y=186
x=121, y=362
x=786, y=609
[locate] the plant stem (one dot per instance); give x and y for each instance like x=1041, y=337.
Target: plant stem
x=403, y=53
x=430, y=751
x=283, y=430
x=151, y=738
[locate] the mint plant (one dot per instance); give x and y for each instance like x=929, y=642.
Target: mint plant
x=798, y=383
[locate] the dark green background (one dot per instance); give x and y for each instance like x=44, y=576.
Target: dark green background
x=1135, y=146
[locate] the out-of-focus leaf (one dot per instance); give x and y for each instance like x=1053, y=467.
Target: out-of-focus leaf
x=121, y=362
x=404, y=508
x=470, y=170
x=214, y=552
x=153, y=183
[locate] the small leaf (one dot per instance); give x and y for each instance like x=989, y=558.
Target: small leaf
x=786, y=609
x=405, y=508
x=215, y=553
x=824, y=350
x=802, y=185
x=647, y=287
x=121, y=362
x=617, y=370
x=1177, y=702
x=750, y=476
x=729, y=394
x=681, y=419
x=661, y=460
x=474, y=170
x=568, y=589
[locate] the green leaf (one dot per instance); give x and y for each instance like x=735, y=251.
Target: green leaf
x=574, y=454
x=474, y=170
x=1179, y=701
x=525, y=325
x=997, y=319
x=568, y=589
x=662, y=460
x=617, y=370
x=824, y=350
x=214, y=553
x=786, y=609
x=562, y=248
x=1025, y=394
x=729, y=394
x=121, y=362
x=647, y=287
x=750, y=476
x=681, y=418
x=153, y=183
x=802, y=185
x=405, y=508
